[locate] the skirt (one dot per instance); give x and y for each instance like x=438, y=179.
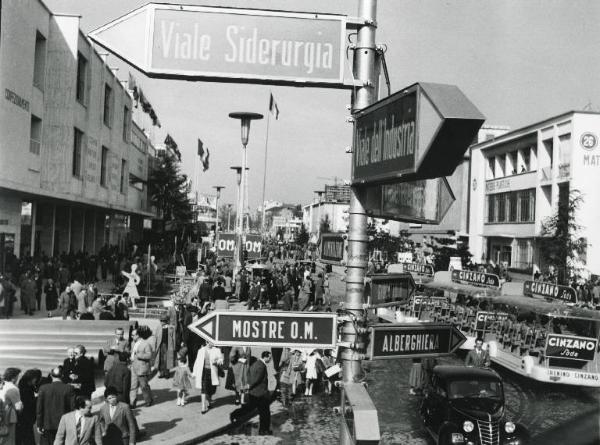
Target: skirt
x=207, y=386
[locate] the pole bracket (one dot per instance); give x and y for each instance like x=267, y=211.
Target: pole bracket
x=357, y=22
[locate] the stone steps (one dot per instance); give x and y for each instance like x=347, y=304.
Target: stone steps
x=42, y=343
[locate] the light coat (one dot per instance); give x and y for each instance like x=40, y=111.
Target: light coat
x=67, y=431
x=142, y=357
x=216, y=357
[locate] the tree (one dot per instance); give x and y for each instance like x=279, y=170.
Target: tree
x=168, y=191
x=302, y=236
x=560, y=246
x=382, y=240
x=444, y=248
x=325, y=224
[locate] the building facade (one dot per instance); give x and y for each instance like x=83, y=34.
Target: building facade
x=73, y=166
x=518, y=180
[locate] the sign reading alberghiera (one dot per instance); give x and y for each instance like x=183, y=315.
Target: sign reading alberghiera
x=476, y=278
x=550, y=290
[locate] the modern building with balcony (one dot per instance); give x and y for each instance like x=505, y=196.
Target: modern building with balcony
x=73, y=165
x=518, y=180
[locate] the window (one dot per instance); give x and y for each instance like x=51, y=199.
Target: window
x=126, y=123
x=39, y=64
x=491, y=208
x=501, y=200
x=35, y=135
x=82, y=64
x=77, y=144
x=512, y=207
x=123, y=175
x=103, y=166
x=107, y=115
x=525, y=206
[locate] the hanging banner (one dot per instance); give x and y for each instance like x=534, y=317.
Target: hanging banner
x=332, y=248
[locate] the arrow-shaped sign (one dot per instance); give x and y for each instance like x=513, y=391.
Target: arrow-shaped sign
x=404, y=340
x=391, y=287
x=423, y=201
x=420, y=132
x=281, y=329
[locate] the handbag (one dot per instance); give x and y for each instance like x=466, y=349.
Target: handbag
x=220, y=371
x=230, y=380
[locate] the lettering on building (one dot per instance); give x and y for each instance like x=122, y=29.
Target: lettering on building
x=591, y=160
x=496, y=186
x=13, y=97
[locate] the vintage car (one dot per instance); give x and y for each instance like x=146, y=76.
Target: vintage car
x=465, y=406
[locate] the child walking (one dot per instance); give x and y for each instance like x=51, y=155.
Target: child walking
x=181, y=380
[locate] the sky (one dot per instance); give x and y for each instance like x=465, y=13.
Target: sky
x=518, y=61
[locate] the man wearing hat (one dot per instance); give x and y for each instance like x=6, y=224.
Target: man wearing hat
x=164, y=336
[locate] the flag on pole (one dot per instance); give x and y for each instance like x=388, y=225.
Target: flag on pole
x=200, y=149
x=170, y=143
x=205, y=161
x=273, y=108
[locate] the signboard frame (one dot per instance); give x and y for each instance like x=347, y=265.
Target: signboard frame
x=555, y=355
x=558, y=288
x=487, y=276
x=298, y=316
x=145, y=63
x=402, y=277
x=336, y=237
x=420, y=269
x=416, y=327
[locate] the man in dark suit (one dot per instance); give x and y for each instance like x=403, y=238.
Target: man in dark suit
x=84, y=369
x=54, y=400
x=478, y=357
x=259, y=393
x=119, y=377
x=79, y=427
x=116, y=420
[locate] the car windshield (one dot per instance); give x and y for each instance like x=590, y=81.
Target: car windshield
x=460, y=389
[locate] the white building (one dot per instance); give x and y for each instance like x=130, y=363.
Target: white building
x=66, y=148
x=518, y=179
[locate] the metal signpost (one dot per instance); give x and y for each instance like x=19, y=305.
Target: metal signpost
x=230, y=44
x=390, y=341
x=550, y=290
x=276, y=329
x=476, y=278
x=332, y=248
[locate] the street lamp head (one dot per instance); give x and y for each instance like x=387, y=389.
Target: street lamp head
x=218, y=188
x=246, y=118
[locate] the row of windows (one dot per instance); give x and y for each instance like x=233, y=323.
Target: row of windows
x=108, y=104
x=78, y=139
x=517, y=206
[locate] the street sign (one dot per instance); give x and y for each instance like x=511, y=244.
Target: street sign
x=229, y=44
x=279, y=329
x=424, y=201
x=388, y=288
x=410, y=340
x=420, y=132
x=476, y=278
x=332, y=248
x=550, y=290
x=419, y=269
x=485, y=318
x=226, y=245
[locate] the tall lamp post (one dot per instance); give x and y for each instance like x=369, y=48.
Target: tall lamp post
x=319, y=196
x=218, y=188
x=229, y=217
x=245, y=119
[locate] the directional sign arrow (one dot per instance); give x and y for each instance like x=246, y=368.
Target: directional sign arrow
x=229, y=44
x=424, y=201
x=281, y=329
x=420, y=132
x=410, y=340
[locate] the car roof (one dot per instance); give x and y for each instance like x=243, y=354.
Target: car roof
x=449, y=372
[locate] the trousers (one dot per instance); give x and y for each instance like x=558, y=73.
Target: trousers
x=140, y=381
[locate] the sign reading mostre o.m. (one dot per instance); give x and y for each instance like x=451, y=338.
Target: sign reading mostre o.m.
x=227, y=43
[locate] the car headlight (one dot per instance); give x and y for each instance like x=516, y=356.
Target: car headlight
x=509, y=427
x=468, y=426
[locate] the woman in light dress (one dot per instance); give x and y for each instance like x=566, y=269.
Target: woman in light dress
x=131, y=287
